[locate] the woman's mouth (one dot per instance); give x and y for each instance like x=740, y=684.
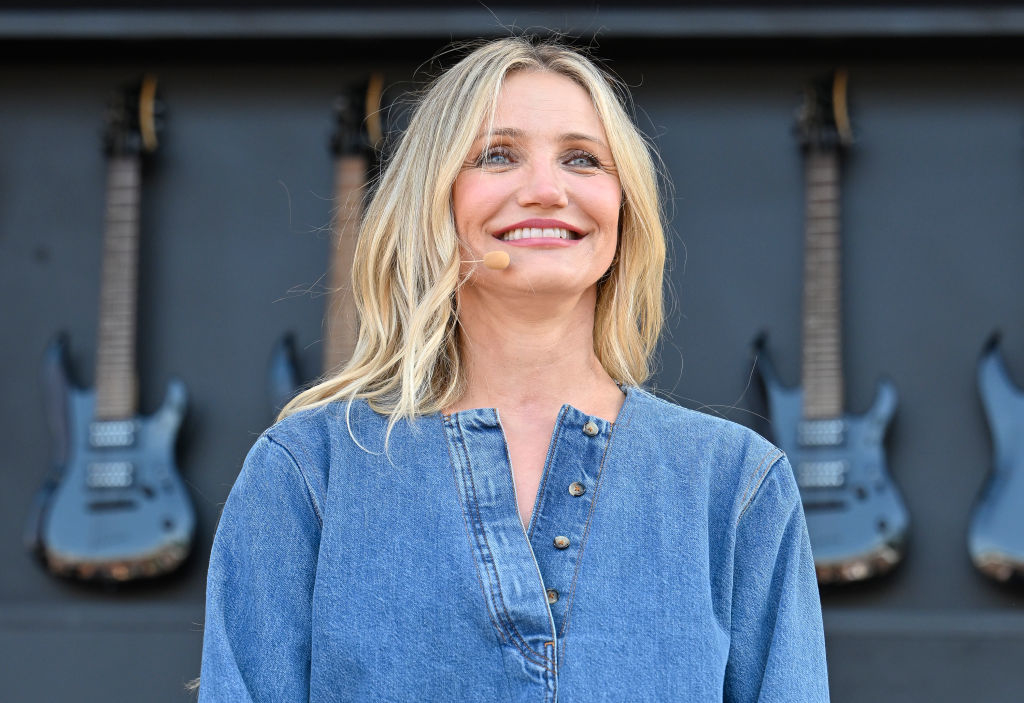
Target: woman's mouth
x=538, y=233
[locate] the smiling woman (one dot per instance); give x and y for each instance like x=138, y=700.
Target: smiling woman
x=407, y=361
x=483, y=504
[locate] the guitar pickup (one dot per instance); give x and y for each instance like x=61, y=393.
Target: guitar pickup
x=821, y=433
x=110, y=474
x=821, y=474
x=118, y=433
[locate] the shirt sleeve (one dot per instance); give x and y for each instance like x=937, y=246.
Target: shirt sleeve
x=257, y=637
x=777, y=650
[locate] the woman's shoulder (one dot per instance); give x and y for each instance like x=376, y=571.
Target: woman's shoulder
x=313, y=434
x=726, y=452
x=675, y=423
x=309, y=441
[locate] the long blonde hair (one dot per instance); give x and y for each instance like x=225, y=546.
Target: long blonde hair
x=405, y=271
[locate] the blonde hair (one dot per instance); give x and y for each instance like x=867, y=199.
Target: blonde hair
x=405, y=271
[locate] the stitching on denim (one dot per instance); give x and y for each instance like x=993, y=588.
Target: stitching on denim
x=586, y=534
x=544, y=476
x=494, y=582
x=550, y=677
x=465, y=521
x=479, y=537
x=754, y=474
x=774, y=462
x=302, y=475
x=472, y=547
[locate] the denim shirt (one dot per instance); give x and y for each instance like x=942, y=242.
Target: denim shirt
x=667, y=559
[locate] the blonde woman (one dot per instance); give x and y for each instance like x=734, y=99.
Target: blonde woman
x=484, y=505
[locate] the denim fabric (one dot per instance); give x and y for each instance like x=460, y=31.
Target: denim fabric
x=342, y=573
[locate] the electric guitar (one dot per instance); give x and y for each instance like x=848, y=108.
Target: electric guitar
x=354, y=143
x=113, y=507
x=995, y=538
x=855, y=514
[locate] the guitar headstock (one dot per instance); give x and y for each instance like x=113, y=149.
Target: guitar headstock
x=359, y=128
x=134, y=119
x=823, y=120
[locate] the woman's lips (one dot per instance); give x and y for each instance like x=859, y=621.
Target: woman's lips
x=540, y=233
x=553, y=233
x=538, y=223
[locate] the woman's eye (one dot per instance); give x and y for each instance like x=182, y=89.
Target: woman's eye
x=583, y=159
x=495, y=157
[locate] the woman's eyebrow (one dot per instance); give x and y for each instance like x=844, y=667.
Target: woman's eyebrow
x=515, y=133
x=580, y=137
x=501, y=132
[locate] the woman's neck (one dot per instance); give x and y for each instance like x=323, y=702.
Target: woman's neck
x=532, y=356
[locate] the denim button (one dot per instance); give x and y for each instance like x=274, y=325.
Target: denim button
x=590, y=429
x=577, y=489
x=561, y=542
x=552, y=596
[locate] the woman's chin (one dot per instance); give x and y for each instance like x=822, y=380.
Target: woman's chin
x=558, y=285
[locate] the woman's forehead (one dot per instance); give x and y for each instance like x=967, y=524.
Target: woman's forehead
x=534, y=103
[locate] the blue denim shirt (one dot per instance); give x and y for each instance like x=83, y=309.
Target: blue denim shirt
x=667, y=559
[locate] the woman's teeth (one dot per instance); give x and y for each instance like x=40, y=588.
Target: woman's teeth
x=538, y=233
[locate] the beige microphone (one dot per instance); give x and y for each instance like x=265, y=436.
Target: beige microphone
x=497, y=260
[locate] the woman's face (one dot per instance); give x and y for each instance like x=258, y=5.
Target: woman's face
x=540, y=186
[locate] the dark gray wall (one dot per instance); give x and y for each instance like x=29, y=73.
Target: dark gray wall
x=236, y=208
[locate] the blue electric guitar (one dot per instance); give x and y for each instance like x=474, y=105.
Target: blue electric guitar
x=995, y=538
x=359, y=132
x=114, y=507
x=855, y=514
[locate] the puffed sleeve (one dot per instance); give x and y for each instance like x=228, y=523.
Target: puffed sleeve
x=777, y=650
x=256, y=642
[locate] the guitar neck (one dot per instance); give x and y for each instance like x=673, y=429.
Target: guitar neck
x=116, y=378
x=340, y=321
x=822, y=367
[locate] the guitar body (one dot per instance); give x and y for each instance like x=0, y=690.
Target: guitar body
x=119, y=510
x=856, y=516
x=995, y=537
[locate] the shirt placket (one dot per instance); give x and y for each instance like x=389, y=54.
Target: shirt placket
x=565, y=502
x=509, y=576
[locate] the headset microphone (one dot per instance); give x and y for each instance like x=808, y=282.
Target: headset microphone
x=497, y=260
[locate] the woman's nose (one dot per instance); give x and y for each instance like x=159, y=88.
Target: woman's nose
x=543, y=186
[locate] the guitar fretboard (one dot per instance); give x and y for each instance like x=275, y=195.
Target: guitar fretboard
x=116, y=380
x=340, y=322
x=822, y=363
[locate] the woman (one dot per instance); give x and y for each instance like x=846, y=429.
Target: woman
x=483, y=505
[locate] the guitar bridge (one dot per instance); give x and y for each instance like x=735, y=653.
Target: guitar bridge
x=117, y=433
x=821, y=433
